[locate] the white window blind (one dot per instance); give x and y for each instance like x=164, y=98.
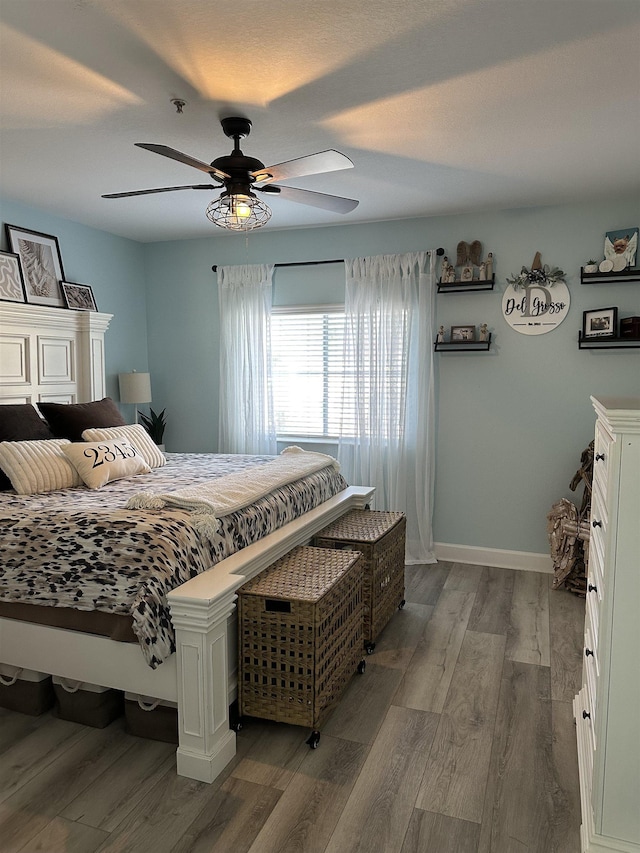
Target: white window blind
x=308, y=373
x=322, y=389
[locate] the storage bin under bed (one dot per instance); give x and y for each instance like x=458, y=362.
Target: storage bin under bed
x=149, y=718
x=25, y=690
x=85, y=703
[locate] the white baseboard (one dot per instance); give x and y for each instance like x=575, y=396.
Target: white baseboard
x=522, y=560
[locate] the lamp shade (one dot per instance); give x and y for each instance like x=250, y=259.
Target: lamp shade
x=135, y=387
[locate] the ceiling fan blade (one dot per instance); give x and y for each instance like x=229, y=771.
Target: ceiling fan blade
x=182, y=158
x=162, y=190
x=335, y=203
x=312, y=164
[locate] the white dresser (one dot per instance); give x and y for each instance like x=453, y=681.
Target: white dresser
x=607, y=708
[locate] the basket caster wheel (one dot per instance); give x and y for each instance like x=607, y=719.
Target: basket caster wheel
x=369, y=647
x=361, y=667
x=313, y=740
x=236, y=726
x=402, y=604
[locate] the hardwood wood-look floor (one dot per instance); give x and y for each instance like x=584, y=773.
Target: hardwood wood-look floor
x=458, y=738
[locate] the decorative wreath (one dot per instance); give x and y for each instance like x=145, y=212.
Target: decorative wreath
x=538, y=274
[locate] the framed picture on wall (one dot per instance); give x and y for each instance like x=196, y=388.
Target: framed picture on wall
x=41, y=265
x=78, y=297
x=11, y=278
x=600, y=323
x=463, y=333
x=620, y=248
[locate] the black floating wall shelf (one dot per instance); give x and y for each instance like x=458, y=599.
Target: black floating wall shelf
x=609, y=277
x=607, y=343
x=460, y=286
x=463, y=346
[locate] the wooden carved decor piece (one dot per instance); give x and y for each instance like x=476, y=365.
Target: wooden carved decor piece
x=568, y=531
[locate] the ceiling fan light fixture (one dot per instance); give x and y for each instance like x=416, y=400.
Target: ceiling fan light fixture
x=238, y=212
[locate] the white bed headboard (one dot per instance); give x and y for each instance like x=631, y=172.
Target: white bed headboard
x=51, y=354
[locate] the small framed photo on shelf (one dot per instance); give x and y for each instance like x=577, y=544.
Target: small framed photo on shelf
x=78, y=297
x=600, y=323
x=11, y=278
x=466, y=273
x=459, y=334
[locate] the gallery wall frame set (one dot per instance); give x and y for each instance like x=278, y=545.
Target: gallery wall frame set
x=33, y=272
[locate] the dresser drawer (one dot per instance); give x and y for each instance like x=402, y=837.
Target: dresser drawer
x=591, y=672
x=599, y=493
x=599, y=497
x=599, y=506
x=601, y=444
x=592, y=617
x=601, y=458
x=596, y=561
x=586, y=737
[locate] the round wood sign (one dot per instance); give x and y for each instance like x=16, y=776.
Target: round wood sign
x=536, y=308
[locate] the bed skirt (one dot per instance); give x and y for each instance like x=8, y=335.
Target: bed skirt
x=115, y=626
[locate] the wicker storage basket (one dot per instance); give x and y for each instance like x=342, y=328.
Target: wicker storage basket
x=300, y=635
x=380, y=538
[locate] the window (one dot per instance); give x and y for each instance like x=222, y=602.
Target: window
x=308, y=370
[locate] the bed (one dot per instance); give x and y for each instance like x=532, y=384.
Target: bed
x=53, y=355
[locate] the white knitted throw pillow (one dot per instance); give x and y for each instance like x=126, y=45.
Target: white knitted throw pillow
x=38, y=466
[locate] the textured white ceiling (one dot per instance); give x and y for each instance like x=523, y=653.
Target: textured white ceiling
x=443, y=105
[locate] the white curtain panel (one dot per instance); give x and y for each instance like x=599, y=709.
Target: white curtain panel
x=247, y=422
x=389, y=309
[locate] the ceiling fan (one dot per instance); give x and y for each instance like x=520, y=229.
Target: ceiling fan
x=238, y=208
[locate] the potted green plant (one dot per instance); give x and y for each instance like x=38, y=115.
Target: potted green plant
x=155, y=424
x=591, y=266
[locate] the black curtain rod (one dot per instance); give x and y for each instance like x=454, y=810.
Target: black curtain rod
x=439, y=252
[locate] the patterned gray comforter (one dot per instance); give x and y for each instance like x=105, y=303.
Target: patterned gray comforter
x=81, y=548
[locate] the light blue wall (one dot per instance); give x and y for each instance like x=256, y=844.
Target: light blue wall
x=182, y=309
x=511, y=423
x=114, y=267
